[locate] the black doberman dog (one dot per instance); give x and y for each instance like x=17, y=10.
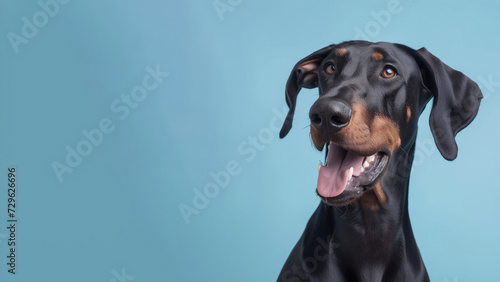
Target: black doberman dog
x=370, y=98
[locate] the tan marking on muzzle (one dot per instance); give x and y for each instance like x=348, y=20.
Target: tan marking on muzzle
x=316, y=138
x=408, y=114
x=367, y=136
x=362, y=135
x=385, y=132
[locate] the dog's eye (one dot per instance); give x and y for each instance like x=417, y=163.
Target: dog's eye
x=330, y=69
x=388, y=72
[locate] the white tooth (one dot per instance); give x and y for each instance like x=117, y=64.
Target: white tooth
x=319, y=166
x=371, y=158
x=349, y=176
x=328, y=146
x=362, y=169
x=366, y=163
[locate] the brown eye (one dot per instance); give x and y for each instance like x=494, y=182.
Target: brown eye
x=330, y=69
x=388, y=72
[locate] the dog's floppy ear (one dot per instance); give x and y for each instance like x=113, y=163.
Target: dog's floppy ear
x=304, y=74
x=455, y=105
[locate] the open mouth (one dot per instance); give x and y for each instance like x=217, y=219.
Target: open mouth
x=347, y=174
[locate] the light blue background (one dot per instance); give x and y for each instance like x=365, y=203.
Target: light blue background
x=118, y=210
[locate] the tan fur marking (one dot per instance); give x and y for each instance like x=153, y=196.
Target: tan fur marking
x=315, y=137
x=341, y=52
x=377, y=56
x=362, y=135
x=368, y=137
x=408, y=114
x=385, y=132
x=374, y=199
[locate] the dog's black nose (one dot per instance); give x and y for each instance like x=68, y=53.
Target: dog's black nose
x=333, y=115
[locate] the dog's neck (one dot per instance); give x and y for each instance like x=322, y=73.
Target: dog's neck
x=379, y=234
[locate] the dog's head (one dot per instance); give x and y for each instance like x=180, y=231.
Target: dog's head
x=370, y=98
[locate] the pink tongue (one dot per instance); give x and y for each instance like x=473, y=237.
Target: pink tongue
x=332, y=179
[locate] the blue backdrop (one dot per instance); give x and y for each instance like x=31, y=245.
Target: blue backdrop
x=144, y=136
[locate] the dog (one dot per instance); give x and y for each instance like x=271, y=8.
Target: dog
x=365, y=118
